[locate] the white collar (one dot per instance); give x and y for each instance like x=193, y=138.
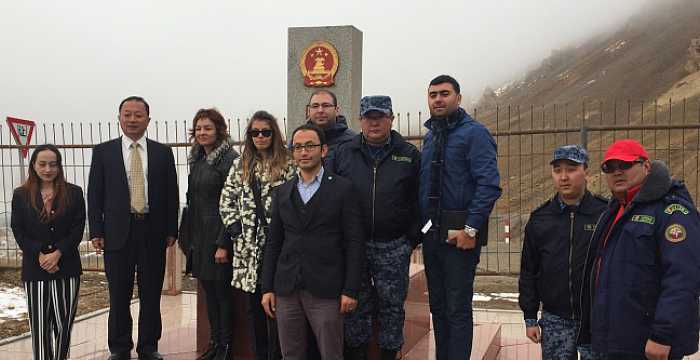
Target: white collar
x=127, y=142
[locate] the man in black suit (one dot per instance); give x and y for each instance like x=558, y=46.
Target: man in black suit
x=132, y=211
x=314, y=253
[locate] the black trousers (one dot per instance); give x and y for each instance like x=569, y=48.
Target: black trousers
x=144, y=256
x=52, y=305
x=266, y=344
x=219, y=309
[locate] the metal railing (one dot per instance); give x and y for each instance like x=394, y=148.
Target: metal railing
x=526, y=138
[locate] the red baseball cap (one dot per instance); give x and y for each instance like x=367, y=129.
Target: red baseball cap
x=626, y=150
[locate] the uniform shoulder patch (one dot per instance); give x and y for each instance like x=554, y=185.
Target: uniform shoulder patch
x=647, y=219
x=676, y=207
x=401, y=158
x=675, y=233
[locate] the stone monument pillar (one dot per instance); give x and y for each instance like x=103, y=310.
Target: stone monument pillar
x=328, y=57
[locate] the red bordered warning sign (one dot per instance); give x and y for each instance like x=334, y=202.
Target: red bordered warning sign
x=22, y=131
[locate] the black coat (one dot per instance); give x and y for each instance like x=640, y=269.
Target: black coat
x=205, y=182
x=387, y=187
x=326, y=251
x=108, y=194
x=63, y=233
x=553, y=262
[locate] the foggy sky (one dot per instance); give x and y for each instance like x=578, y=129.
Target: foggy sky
x=75, y=60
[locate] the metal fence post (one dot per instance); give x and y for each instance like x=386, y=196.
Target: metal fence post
x=583, y=137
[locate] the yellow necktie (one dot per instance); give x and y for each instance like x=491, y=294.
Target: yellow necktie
x=137, y=189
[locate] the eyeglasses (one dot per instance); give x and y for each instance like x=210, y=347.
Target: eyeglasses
x=609, y=167
x=316, y=106
x=307, y=147
x=255, y=132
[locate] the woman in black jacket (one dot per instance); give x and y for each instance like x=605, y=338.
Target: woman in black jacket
x=209, y=253
x=48, y=220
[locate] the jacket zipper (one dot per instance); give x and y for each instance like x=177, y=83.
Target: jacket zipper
x=571, y=255
x=590, y=281
x=374, y=195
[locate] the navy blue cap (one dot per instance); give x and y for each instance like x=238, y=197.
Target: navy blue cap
x=575, y=153
x=381, y=103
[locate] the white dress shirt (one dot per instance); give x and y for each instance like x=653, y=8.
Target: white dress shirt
x=143, y=150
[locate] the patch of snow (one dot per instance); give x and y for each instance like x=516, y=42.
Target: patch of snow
x=481, y=297
x=498, y=92
x=506, y=295
x=13, y=304
x=590, y=82
x=615, y=46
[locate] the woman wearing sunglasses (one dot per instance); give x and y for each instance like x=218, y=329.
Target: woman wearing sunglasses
x=209, y=250
x=48, y=219
x=245, y=202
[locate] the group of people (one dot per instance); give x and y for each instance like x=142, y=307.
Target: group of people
x=318, y=233
x=619, y=278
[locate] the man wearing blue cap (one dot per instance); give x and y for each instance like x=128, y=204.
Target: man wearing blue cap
x=553, y=266
x=383, y=168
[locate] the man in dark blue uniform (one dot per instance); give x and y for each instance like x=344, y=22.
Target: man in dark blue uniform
x=645, y=269
x=384, y=168
x=557, y=238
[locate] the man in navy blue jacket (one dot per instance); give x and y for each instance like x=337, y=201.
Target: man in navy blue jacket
x=458, y=189
x=645, y=269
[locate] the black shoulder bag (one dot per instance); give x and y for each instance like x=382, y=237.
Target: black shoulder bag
x=260, y=217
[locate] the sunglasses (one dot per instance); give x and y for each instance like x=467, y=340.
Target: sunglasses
x=612, y=166
x=255, y=133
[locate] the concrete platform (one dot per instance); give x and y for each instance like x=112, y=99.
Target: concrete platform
x=89, y=339
x=499, y=334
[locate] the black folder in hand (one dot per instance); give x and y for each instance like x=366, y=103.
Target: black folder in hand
x=455, y=220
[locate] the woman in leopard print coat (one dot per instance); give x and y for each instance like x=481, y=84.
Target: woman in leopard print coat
x=265, y=163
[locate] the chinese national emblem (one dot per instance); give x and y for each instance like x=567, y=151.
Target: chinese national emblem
x=319, y=63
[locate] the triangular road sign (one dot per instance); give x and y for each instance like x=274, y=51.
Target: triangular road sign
x=22, y=131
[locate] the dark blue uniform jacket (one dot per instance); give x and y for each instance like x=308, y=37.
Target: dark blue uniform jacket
x=646, y=278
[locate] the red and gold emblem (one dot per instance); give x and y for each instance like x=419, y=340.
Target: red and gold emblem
x=319, y=63
x=675, y=233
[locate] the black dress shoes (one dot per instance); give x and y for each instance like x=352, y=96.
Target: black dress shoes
x=151, y=356
x=120, y=356
x=210, y=353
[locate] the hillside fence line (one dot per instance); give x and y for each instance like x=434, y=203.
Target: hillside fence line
x=526, y=137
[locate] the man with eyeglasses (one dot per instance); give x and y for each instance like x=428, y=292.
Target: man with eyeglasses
x=384, y=167
x=556, y=239
x=314, y=254
x=323, y=111
x=645, y=268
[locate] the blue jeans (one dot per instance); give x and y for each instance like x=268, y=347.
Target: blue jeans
x=559, y=339
x=450, y=274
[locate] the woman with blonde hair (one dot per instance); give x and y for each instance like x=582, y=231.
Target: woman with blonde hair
x=265, y=163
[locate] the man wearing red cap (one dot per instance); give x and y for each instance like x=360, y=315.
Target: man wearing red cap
x=645, y=278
